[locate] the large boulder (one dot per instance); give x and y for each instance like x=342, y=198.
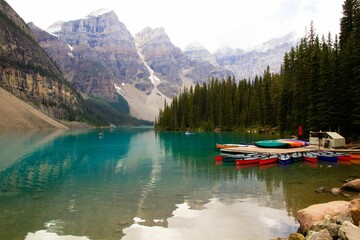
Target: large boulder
x=349, y=231
x=353, y=185
x=314, y=213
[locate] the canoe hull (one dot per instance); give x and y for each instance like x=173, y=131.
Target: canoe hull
x=329, y=158
x=311, y=159
x=284, y=159
x=268, y=159
x=246, y=161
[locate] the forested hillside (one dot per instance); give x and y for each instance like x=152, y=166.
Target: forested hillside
x=318, y=87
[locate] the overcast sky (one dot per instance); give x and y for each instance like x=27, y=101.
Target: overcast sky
x=214, y=23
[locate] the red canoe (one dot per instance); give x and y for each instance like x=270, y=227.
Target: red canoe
x=268, y=159
x=250, y=160
x=310, y=157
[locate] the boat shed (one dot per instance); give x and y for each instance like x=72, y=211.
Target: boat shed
x=327, y=139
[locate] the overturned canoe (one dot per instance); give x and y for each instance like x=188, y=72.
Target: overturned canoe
x=281, y=143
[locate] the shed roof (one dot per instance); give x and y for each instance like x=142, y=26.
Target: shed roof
x=334, y=135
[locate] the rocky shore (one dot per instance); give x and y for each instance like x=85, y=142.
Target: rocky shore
x=332, y=220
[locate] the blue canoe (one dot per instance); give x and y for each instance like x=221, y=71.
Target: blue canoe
x=327, y=157
x=284, y=159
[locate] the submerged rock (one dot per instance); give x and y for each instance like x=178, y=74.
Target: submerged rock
x=321, y=190
x=353, y=185
x=336, y=191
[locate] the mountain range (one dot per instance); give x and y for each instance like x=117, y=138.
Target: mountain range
x=100, y=59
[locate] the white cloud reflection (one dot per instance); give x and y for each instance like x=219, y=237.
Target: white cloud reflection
x=239, y=220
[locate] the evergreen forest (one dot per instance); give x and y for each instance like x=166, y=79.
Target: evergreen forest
x=318, y=88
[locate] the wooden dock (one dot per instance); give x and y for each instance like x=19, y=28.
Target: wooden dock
x=252, y=149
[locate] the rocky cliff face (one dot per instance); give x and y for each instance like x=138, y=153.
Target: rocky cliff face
x=103, y=54
x=27, y=72
x=171, y=65
x=99, y=56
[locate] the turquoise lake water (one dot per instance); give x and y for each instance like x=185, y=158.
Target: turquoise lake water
x=135, y=183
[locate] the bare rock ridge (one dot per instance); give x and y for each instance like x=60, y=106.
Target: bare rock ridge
x=28, y=73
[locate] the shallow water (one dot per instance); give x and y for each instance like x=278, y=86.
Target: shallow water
x=141, y=184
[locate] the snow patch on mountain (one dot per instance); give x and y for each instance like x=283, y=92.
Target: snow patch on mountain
x=291, y=38
x=55, y=27
x=98, y=12
x=118, y=89
x=153, y=78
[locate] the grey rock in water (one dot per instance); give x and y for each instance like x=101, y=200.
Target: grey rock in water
x=321, y=190
x=336, y=191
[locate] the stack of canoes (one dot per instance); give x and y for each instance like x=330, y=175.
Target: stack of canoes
x=283, y=159
x=280, y=143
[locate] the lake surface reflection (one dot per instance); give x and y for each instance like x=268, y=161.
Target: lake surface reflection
x=140, y=184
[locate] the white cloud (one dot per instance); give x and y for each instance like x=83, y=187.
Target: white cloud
x=235, y=23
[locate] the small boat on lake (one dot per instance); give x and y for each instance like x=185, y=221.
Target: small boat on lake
x=311, y=157
x=327, y=157
x=268, y=159
x=284, y=159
